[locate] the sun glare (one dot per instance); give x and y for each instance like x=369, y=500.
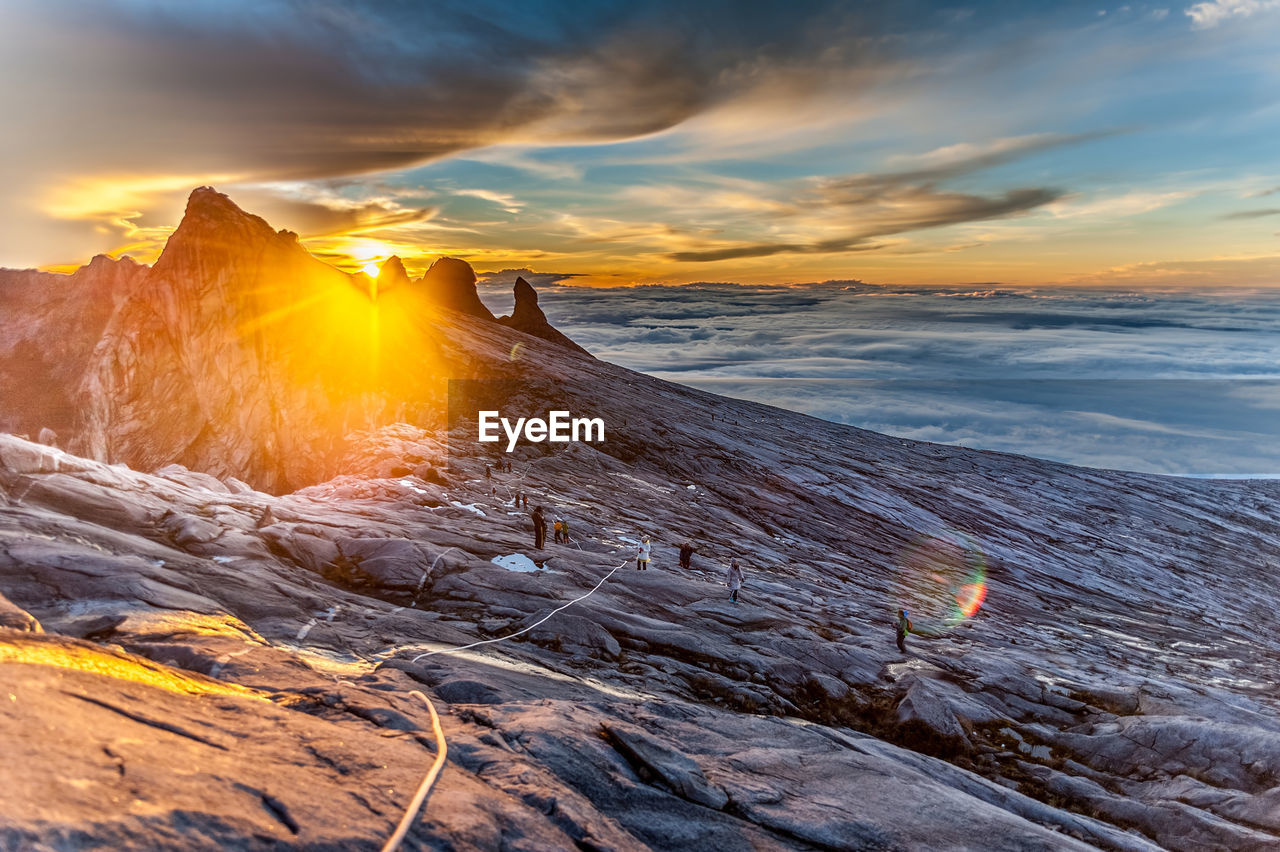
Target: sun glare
x=371, y=269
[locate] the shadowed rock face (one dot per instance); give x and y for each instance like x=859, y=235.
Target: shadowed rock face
x=526, y=316
x=392, y=274
x=238, y=352
x=451, y=283
x=51, y=324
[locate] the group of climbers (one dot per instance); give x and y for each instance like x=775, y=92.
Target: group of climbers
x=559, y=527
x=734, y=574
x=734, y=577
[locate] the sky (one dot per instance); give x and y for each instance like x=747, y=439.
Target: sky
x=1171, y=382
x=1017, y=145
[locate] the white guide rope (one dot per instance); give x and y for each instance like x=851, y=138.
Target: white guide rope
x=531, y=626
x=429, y=780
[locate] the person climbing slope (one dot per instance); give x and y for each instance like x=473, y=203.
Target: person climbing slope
x=735, y=578
x=642, y=558
x=686, y=555
x=558, y=526
x=539, y=527
x=564, y=530
x=903, y=627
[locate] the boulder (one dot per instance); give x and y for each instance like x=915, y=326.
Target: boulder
x=927, y=720
x=395, y=563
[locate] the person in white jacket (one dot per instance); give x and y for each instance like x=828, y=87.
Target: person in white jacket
x=735, y=578
x=642, y=558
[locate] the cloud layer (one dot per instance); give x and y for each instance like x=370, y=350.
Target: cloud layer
x=1168, y=383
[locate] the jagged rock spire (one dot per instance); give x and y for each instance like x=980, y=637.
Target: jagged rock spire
x=451, y=283
x=526, y=316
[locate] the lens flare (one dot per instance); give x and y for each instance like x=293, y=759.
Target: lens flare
x=942, y=581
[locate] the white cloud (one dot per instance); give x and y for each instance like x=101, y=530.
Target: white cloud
x=1116, y=206
x=1174, y=383
x=977, y=153
x=505, y=200
x=1213, y=12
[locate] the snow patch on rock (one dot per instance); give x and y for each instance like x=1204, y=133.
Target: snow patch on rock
x=515, y=562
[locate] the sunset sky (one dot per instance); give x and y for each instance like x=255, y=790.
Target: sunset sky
x=1127, y=145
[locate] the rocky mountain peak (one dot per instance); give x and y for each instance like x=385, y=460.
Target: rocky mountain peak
x=526, y=316
x=212, y=221
x=238, y=352
x=526, y=307
x=109, y=277
x=102, y=262
x=451, y=283
x=390, y=274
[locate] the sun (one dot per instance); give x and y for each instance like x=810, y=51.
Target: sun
x=371, y=269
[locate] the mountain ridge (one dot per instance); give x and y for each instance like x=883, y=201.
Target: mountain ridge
x=240, y=353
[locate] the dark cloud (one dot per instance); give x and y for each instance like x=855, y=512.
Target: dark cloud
x=766, y=249
x=892, y=209
x=1253, y=214
x=959, y=160
x=507, y=278
x=325, y=88
x=911, y=199
x=271, y=90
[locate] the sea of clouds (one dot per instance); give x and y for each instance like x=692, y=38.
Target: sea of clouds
x=1159, y=382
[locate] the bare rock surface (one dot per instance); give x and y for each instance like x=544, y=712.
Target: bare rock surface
x=1103, y=697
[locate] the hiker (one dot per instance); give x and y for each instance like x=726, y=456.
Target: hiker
x=564, y=528
x=524, y=499
x=686, y=555
x=539, y=527
x=642, y=558
x=735, y=578
x=488, y=471
x=903, y=627
x=559, y=529
x=508, y=465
